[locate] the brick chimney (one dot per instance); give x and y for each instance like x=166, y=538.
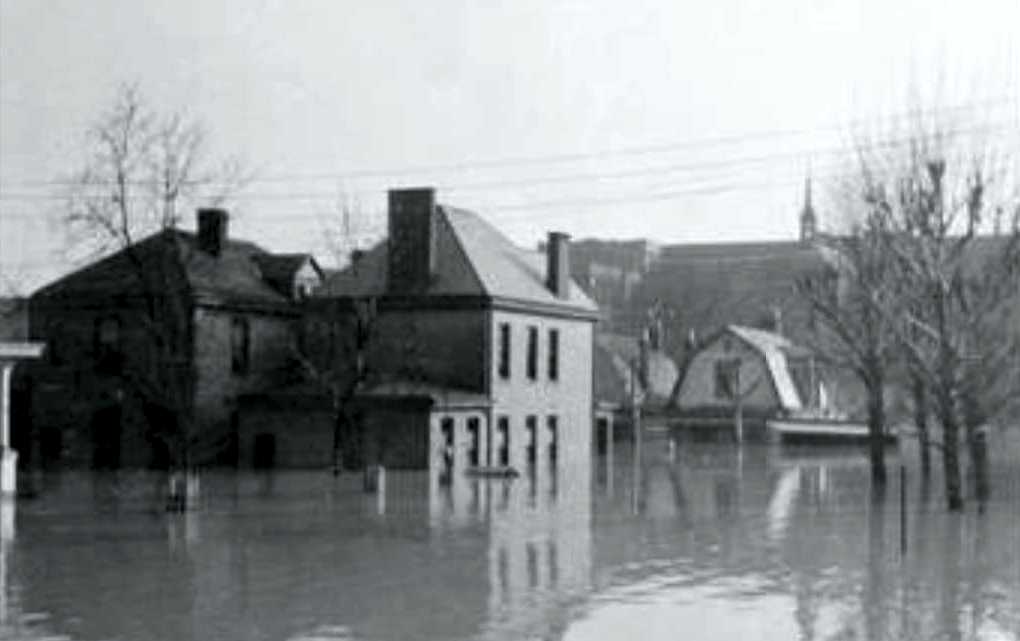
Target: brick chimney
x=412, y=239
x=557, y=273
x=212, y=230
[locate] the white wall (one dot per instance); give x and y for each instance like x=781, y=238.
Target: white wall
x=569, y=398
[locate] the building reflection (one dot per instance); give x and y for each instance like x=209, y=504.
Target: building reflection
x=720, y=536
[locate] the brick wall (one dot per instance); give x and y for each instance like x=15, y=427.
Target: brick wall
x=217, y=386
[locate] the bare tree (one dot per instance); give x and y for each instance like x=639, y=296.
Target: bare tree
x=141, y=168
x=951, y=294
x=852, y=331
x=337, y=360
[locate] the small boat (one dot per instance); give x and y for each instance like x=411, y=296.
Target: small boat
x=498, y=472
x=818, y=429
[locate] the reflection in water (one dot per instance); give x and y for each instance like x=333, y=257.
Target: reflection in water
x=698, y=541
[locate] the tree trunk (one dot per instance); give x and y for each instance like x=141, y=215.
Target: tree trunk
x=921, y=422
x=876, y=433
x=338, y=421
x=978, y=446
x=950, y=417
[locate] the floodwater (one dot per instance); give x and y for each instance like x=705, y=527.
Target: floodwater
x=707, y=542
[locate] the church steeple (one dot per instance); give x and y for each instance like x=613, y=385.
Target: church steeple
x=808, y=220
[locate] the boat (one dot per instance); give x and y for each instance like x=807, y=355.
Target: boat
x=820, y=429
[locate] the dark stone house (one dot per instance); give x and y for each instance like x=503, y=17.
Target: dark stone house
x=149, y=348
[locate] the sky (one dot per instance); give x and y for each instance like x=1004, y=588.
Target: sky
x=675, y=121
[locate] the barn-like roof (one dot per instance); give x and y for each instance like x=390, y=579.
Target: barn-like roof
x=774, y=349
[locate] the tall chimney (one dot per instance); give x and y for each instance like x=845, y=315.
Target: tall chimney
x=557, y=275
x=212, y=230
x=412, y=239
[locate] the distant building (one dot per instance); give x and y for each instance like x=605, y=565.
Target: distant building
x=765, y=372
x=611, y=271
x=480, y=352
x=168, y=331
x=703, y=287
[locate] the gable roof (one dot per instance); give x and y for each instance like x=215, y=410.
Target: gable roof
x=231, y=278
x=473, y=259
x=279, y=270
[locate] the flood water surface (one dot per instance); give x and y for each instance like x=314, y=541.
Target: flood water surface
x=707, y=542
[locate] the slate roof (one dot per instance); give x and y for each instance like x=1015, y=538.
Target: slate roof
x=231, y=278
x=473, y=259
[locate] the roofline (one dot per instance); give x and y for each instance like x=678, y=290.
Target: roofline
x=420, y=399
x=467, y=302
x=208, y=301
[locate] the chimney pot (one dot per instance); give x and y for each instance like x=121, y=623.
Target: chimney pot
x=212, y=230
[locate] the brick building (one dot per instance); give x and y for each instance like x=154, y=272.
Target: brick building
x=149, y=348
x=480, y=351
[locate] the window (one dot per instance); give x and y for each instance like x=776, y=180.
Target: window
x=726, y=377
x=503, y=428
x=446, y=427
x=532, y=370
x=554, y=354
x=504, y=350
x=553, y=425
x=531, y=426
x=474, y=440
x=106, y=336
x=240, y=345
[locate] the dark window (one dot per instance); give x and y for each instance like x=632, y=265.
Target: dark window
x=264, y=455
x=554, y=438
x=504, y=350
x=532, y=370
x=531, y=425
x=474, y=437
x=106, y=336
x=554, y=354
x=240, y=345
x=726, y=378
x=503, y=429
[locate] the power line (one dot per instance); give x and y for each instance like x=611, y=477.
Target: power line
x=544, y=180
x=513, y=161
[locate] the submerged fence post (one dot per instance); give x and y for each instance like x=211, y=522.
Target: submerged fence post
x=903, y=509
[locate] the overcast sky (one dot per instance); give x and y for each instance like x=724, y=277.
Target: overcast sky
x=677, y=121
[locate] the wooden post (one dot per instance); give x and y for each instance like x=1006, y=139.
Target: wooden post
x=635, y=419
x=738, y=411
x=609, y=453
